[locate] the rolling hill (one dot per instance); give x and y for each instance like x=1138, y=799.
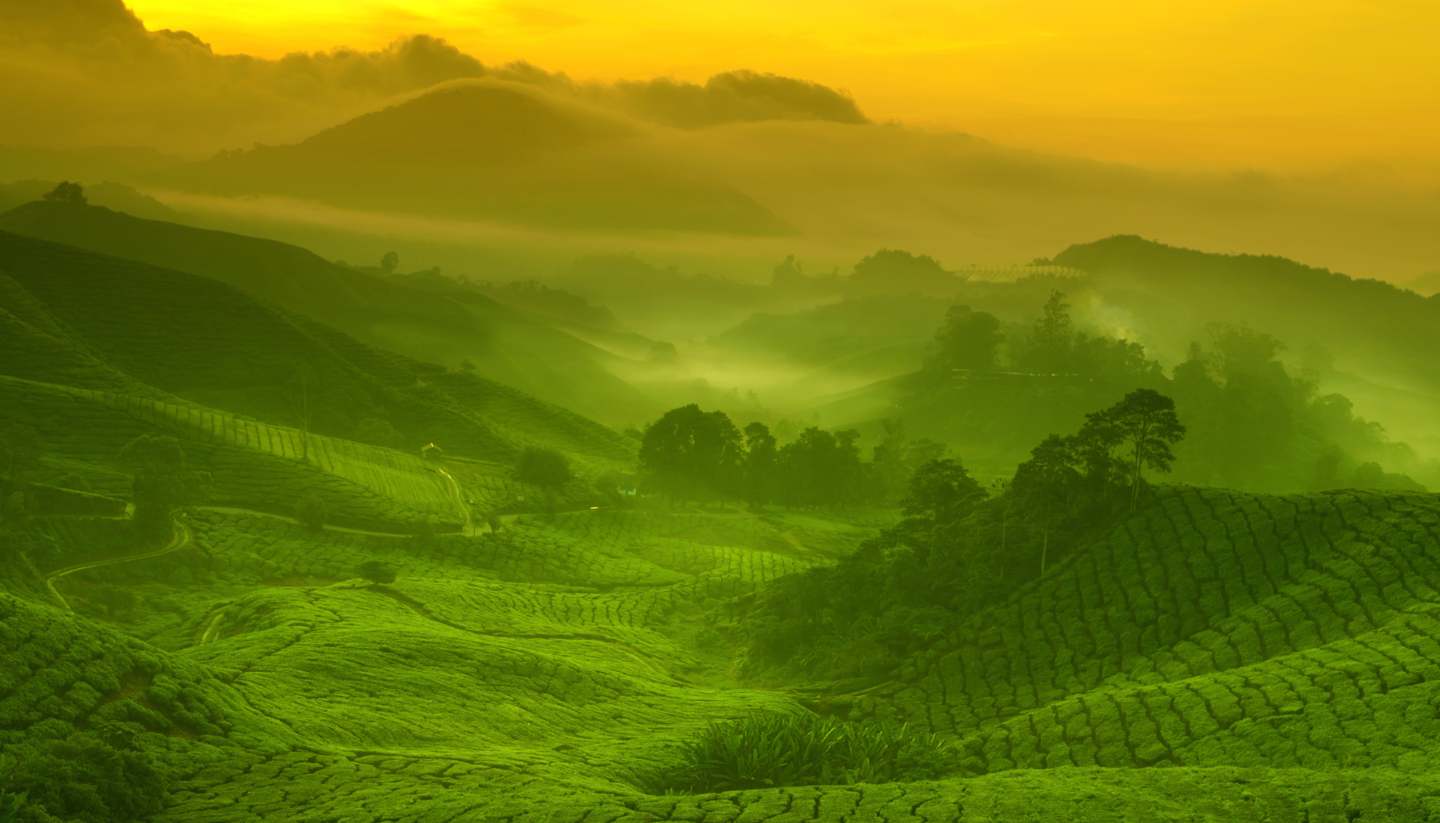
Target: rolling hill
x=503, y=344
x=511, y=153
x=1218, y=656
x=268, y=402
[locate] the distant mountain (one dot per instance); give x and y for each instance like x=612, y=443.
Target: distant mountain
x=1368, y=325
x=110, y=195
x=493, y=150
x=501, y=343
x=1426, y=285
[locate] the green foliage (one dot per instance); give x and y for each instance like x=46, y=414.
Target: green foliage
x=162, y=481
x=898, y=271
x=943, y=492
x=68, y=193
x=767, y=750
x=311, y=511
x=546, y=468
x=968, y=340
x=376, y=571
x=690, y=453
x=83, y=777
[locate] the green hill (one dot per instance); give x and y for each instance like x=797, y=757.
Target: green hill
x=269, y=403
x=1218, y=657
x=503, y=344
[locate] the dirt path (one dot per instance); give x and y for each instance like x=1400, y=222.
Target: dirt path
x=179, y=540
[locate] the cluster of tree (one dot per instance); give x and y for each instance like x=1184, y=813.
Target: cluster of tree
x=961, y=547
x=162, y=483
x=546, y=469
x=1257, y=426
x=690, y=453
x=973, y=341
x=94, y=776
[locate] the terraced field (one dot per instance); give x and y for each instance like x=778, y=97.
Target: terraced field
x=1217, y=657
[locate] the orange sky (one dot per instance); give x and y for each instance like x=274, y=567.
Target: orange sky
x=1219, y=83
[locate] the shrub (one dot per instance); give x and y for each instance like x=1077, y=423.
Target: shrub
x=84, y=778
x=545, y=468
x=310, y=510
x=376, y=572
x=767, y=749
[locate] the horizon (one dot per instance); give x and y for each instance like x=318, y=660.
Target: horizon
x=1111, y=82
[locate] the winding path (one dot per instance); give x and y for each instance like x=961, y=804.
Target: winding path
x=178, y=540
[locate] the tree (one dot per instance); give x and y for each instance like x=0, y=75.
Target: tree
x=761, y=463
x=311, y=511
x=162, y=481
x=390, y=262
x=897, y=271
x=546, y=468
x=376, y=572
x=1052, y=342
x=67, y=192
x=943, y=492
x=820, y=467
x=1144, y=423
x=1046, y=485
x=968, y=340
x=689, y=452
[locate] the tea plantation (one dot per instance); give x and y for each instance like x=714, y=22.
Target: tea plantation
x=1216, y=657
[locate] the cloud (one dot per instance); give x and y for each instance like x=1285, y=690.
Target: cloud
x=737, y=96
x=88, y=72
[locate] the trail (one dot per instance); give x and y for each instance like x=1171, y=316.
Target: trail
x=212, y=627
x=295, y=522
x=467, y=525
x=179, y=540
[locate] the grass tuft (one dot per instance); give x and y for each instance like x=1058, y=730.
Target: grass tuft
x=768, y=749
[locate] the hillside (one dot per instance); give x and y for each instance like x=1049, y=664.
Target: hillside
x=1229, y=656
x=503, y=344
x=507, y=152
x=268, y=403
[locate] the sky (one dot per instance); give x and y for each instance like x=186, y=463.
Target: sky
x=1222, y=84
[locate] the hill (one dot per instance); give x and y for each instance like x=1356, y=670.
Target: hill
x=1231, y=656
x=268, y=402
x=503, y=344
x=511, y=153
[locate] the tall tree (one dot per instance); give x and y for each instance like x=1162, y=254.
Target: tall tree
x=1047, y=484
x=761, y=463
x=1144, y=423
x=1052, y=341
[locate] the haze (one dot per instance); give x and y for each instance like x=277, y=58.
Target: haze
x=1187, y=84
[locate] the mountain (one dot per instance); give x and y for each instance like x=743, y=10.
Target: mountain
x=498, y=151
x=503, y=344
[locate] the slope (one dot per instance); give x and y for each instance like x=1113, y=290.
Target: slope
x=209, y=343
x=503, y=344
x=500, y=151
x=1217, y=657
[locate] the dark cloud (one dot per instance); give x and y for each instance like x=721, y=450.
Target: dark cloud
x=737, y=96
